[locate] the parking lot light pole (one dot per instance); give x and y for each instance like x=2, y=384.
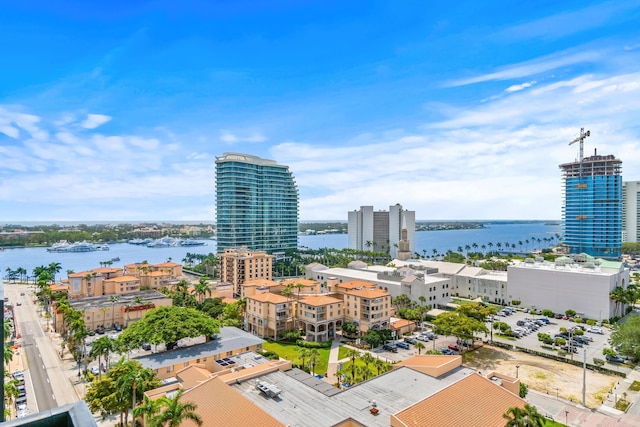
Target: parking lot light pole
x=517, y=368
x=584, y=379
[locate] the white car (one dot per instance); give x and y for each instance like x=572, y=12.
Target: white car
x=22, y=407
x=595, y=330
x=95, y=370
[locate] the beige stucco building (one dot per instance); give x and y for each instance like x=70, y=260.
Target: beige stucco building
x=268, y=314
x=238, y=266
x=320, y=317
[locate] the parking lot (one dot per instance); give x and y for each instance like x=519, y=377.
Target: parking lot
x=530, y=341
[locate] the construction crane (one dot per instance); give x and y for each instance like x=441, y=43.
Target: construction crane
x=581, y=138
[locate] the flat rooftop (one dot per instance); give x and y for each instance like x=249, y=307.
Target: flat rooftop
x=302, y=402
x=123, y=299
x=229, y=339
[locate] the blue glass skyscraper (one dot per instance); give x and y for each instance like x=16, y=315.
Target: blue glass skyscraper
x=256, y=204
x=592, y=206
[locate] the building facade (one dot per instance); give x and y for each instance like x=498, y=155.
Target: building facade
x=592, y=206
x=256, y=204
x=565, y=284
x=239, y=266
x=269, y=314
x=381, y=231
x=630, y=211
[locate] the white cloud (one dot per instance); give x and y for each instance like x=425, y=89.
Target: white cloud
x=516, y=88
x=534, y=67
x=232, y=138
x=94, y=120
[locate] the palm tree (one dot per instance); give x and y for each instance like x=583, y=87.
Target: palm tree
x=314, y=359
x=419, y=346
x=201, y=288
x=353, y=354
x=299, y=286
x=149, y=408
x=102, y=347
x=175, y=412
x=618, y=296
x=367, y=358
x=114, y=299
x=527, y=417
x=54, y=268
x=363, y=372
x=304, y=354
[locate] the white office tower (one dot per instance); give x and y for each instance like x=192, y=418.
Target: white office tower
x=630, y=211
x=381, y=231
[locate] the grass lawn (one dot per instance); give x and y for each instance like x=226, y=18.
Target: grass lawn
x=551, y=423
x=342, y=352
x=635, y=386
x=292, y=352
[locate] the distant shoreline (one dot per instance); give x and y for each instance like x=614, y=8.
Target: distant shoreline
x=197, y=222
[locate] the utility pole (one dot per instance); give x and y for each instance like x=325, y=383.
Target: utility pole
x=584, y=379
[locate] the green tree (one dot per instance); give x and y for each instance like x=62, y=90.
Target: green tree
x=459, y=325
x=373, y=338
x=419, y=346
x=349, y=328
x=626, y=336
x=527, y=417
x=314, y=359
x=102, y=348
x=175, y=412
x=168, y=325
x=476, y=311
x=202, y=288
x=524, y=390
x=149, y=408
x=353, y=354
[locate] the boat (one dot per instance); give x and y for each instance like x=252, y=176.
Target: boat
x=116, y=259
x=84, y=246
x=164, y=242
x=140, y=241
x=189, y=242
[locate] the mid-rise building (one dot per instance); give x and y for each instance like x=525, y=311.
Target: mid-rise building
x=238, y=266
x=381, y=231
x=592, y=206
x=256, y=204
x=630, y=211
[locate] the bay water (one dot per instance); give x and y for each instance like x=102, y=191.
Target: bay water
x=426, y=242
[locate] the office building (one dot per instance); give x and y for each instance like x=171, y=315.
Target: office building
x=630, y=211
x=592, y=206
x=381, y=231
x=256, y=204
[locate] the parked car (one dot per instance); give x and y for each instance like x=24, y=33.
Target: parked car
x=465, y=343
x=21, y=400
x=422, y=338
x=118, y=328
x=544, y=320
x=595, y=330
x=95, y=370
x=391, y=348
x=431, y=335
x=501, y=314
x=18, y=303
x=446, y=352
x=557, y=316
x=100, y=331
x=614, y=359
x=403, y=345
x=454, y=347
x=410, y=340
x=146, y=346
x=569, y=349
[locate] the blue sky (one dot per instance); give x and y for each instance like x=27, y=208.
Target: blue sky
x=457, y=110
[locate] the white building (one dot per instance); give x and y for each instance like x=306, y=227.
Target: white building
x=467, y=281
x=436, y=289
x=371, y=230
x=630, y=211
x=564, y=284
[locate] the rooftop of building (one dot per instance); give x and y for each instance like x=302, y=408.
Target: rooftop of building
x=123, y=299
x=319, y=300
x=246, y=158
x=368, y=293
x=302, y=404
x=228, y=339
x=123, y=279
x=259, y=282
x=269, y=297
x=591, y=265
x=71, y=415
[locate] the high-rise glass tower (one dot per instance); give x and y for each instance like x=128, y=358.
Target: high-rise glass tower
x=592, y=206
x=256, y=204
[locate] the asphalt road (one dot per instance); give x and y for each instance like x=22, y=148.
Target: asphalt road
x=49, y=386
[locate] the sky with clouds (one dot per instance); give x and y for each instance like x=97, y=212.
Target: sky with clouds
x=457, y=110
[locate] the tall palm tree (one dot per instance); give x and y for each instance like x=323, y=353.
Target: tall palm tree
x=113, y=299
x=101, y=348
x=202, y=288
x=353, y=354
x=419, y=346
x=363, y=372
x=304, y=354
x=314, y=359
x=367, y=358
x=175, y=412
x=54, y=268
